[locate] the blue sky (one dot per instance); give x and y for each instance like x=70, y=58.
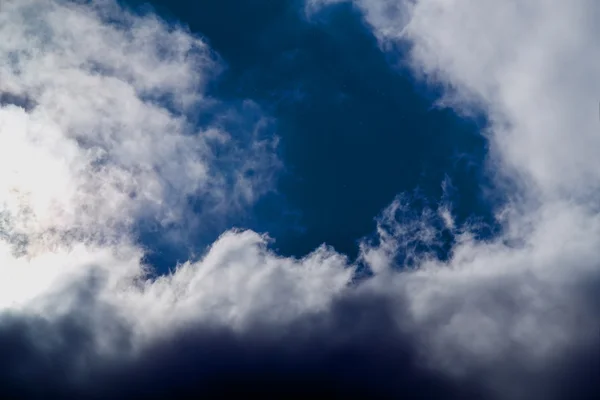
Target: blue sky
x=325, y=198
x=356, y=129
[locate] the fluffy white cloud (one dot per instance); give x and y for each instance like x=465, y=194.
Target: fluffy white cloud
x=523, y=298
x=105, y=140
x=95, y=137
x=530, y=67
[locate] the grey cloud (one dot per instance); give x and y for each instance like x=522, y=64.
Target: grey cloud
x=352, y=350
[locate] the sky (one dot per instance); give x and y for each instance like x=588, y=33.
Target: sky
x=348, y=198
x=354, y=128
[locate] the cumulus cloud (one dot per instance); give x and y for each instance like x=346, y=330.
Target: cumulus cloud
x=523, y=302
x=97, y=135
x=101, y=100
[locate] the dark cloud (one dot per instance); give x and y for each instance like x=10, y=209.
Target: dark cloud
x=353, y=351
x=23, y=101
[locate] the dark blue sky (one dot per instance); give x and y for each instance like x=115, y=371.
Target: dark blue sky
x=355, y=127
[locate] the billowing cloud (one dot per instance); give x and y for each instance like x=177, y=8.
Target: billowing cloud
x=107, y=97
x=524, y=300
x=97, y=135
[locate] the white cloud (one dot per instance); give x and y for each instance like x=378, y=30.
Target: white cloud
x=531, y=67
x=108, y=132
x=95, y=137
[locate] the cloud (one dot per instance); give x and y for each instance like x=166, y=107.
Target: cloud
x=352, y=350
x=523, y=302
x=97, y=135
x=109, y=99
x=516, y=69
